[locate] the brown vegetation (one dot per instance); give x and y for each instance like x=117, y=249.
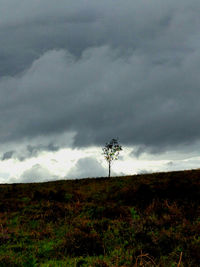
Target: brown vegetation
x=140, y=220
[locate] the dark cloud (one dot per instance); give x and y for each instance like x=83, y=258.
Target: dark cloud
x=99, y=70
x=181, y=152
x=29, y=151
x=35, y=150
x=7, y=155
x=140, y=150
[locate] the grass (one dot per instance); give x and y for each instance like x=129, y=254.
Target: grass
x=140, y=220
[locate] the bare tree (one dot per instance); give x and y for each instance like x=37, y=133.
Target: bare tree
x=111, y=152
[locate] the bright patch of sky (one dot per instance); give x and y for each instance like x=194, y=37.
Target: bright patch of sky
x=59, y=165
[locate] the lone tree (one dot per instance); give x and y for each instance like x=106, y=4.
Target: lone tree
x=111, y=152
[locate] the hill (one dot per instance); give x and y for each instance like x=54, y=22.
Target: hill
x=140, y=220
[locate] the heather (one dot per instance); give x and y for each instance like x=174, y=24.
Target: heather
x=139, y=220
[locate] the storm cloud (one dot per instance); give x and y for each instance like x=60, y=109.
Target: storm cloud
x=29, y=152
x=8, y=155
x=100, y=69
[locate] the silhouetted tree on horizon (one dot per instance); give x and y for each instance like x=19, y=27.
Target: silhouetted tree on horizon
x=111, y=152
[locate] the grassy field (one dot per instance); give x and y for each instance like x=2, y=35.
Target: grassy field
x=140, y=220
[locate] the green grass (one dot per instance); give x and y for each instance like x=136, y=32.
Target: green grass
x=141, y=220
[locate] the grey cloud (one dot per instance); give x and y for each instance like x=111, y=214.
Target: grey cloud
x=188, y=164
x=140, y=150
x=39, y=27
x=35, y=150
x=36, y=173
x=179, y=152
x=7, y=155
x=52, y=147
x=144, y=171
x=128, y=26
x=87, y=167
x=104, y=69
x=46, y=11
x=29, y=151
x=95, y=106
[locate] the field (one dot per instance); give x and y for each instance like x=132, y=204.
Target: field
x=140, y=220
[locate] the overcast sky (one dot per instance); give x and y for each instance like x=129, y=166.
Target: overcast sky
x=76, y=73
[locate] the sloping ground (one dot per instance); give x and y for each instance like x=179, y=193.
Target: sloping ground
x=152, y=220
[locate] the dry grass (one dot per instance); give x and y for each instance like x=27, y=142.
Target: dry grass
x=141, y=220
x=144, y=260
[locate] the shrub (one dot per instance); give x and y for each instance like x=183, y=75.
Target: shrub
x=79, y=243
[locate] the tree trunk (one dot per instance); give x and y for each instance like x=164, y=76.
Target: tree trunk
x=109, y=169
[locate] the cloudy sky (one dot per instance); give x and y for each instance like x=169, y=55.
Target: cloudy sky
x=74, y=74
